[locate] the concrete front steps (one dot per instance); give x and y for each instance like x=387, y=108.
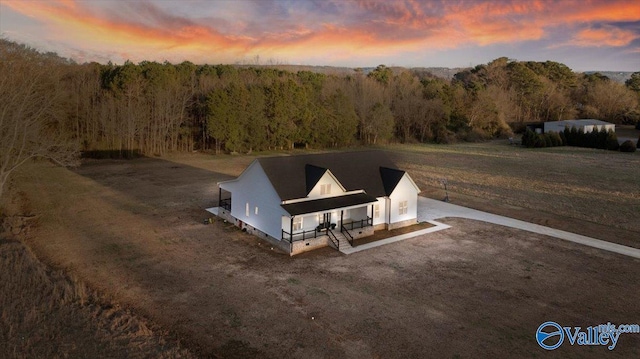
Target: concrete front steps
x=343, y=241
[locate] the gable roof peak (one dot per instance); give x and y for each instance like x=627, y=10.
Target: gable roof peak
x=390, y=178
x=313, y=175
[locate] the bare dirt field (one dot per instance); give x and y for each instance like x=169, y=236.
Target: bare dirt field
x=134, y=229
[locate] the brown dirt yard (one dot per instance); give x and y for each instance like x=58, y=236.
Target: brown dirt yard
x=134, y=229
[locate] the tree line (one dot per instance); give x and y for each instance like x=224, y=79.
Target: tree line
x=156, y=108
x=598, y=138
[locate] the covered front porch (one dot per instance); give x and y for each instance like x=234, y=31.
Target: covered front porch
x=347, y=215
x=224, y=199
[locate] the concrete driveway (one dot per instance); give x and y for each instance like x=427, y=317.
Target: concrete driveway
x=431, y=209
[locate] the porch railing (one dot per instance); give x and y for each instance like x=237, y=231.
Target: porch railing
x=358, y=224
x=225, y=203
x=299, y=236
x=347, y=235
x=334, y=239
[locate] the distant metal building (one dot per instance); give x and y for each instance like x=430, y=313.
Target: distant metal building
x=587, y=125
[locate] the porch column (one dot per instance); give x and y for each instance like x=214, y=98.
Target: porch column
x=291, y=231
x=341, y=217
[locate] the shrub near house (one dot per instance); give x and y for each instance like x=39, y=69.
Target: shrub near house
x=628, y=146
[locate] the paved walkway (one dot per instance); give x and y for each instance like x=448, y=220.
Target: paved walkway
x=213, y=210
x=437, y=226
x=430, y=209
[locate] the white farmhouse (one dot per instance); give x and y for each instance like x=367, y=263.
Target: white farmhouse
x=305, y=202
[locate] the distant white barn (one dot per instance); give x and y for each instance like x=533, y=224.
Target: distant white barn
x=586, y=125
x=304, y=202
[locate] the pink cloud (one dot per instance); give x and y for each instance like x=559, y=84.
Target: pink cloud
x=339, y=27
x=605, y=36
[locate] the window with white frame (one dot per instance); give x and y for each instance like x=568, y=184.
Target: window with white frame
x=325, y=189
x=246, y=209
x=297, y=223
x=404, y=208
x=376, y=210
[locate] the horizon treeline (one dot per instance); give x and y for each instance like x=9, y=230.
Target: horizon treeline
x=156, y=108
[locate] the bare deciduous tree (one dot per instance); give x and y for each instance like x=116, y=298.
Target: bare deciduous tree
x=30, y=111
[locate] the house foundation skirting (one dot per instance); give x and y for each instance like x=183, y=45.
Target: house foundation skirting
x=362, y=232
x=224, y=214
x=401, y=224
x=310, y=244
x=280, y=244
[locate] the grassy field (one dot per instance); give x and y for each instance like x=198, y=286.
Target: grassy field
x=134, y=230
x=586, y=191
x=46, y=314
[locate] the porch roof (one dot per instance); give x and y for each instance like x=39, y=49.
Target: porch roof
x=325, y=204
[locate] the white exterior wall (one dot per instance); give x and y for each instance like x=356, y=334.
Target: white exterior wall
x=381, y=219
x=357, y=214
x=404, y=191
x=253, y=187
x=327, y=178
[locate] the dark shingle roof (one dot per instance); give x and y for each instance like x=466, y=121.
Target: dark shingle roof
x=324, y=204
x=390, y=178
x=291, y=176
x=313, y=175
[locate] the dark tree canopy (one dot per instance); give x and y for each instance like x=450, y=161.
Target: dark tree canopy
x=156, y=108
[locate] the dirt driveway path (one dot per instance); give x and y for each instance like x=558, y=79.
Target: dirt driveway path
x=431, y=209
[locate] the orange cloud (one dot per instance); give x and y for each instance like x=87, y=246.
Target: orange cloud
x=80, y=22
x=353, y=29
x=485, y=23
x=609, y=11
x=606, y=36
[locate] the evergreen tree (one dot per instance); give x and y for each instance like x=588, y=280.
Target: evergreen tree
x=528, y=139
x=601, y=141
x=612, y=141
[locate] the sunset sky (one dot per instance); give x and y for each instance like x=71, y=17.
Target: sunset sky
x=585, y=35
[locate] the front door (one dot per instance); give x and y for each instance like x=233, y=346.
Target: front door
x=326, y=220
